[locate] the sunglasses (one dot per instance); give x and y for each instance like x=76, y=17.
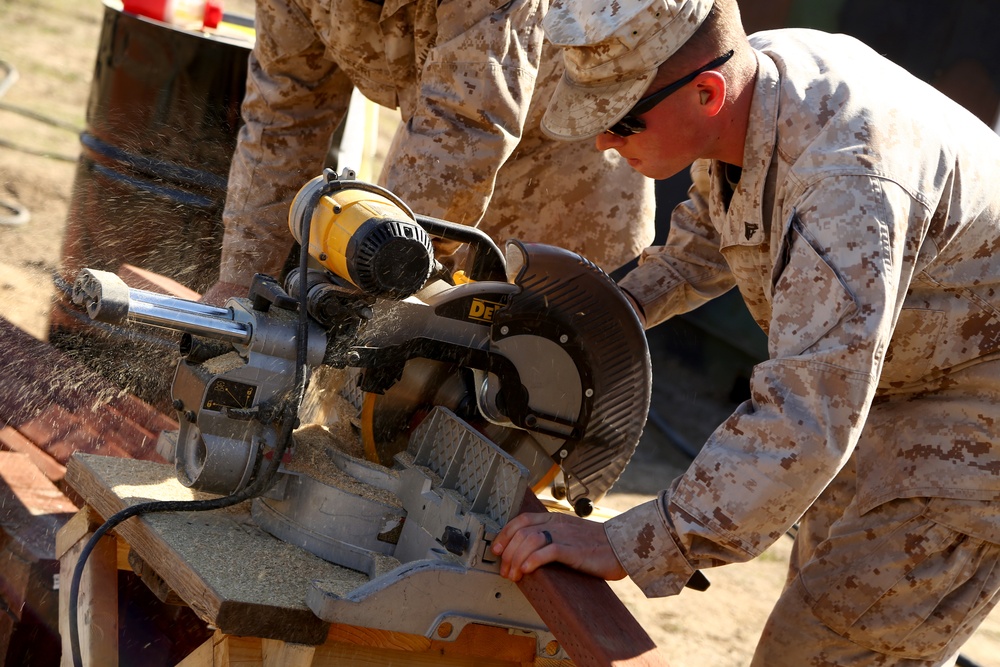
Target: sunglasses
x=632, y=124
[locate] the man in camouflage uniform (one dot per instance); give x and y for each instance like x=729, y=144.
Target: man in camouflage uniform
x=471, y=80
x=857, y=210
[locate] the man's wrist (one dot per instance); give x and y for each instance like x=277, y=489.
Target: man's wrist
x=645, y=548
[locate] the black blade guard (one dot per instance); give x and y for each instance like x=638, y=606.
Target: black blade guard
x=568, y=299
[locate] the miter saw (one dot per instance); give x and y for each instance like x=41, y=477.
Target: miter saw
x=527, y=370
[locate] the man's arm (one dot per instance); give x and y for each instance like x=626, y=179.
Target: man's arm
x=832, y=316
x=294, y=100
x=469, y=109
x=833, y=305
x=688, y=270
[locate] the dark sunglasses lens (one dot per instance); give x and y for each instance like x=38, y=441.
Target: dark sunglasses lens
x=627, y=126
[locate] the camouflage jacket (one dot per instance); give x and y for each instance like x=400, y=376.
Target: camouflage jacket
x=864, y=236
x=471, y=79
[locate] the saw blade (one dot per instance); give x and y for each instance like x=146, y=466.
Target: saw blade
x=388, y=419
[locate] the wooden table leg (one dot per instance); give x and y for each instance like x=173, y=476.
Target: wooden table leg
x=98, y=597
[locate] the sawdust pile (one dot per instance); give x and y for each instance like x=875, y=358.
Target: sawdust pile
x=224, y=363
x=313, y=456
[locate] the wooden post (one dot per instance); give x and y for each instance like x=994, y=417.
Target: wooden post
x=98, y=599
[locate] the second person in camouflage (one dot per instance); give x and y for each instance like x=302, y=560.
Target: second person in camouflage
x=471, y=79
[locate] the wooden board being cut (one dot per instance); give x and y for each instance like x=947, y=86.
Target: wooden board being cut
x=234, y=575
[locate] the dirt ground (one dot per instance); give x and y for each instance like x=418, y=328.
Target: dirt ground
x=52, y=44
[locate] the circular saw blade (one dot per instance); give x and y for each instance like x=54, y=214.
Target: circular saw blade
x=388, y=419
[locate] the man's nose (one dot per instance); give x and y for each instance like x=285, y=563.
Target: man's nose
x=605, y=141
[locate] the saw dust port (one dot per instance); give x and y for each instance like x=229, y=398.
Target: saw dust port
x=53, y=45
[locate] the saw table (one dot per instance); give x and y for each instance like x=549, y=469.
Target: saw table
x=243, y=582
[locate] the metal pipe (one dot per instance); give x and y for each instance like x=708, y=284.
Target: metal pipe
x=174, y=303
x=189, y=322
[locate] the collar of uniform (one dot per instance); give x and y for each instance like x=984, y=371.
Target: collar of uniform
x=745, y=208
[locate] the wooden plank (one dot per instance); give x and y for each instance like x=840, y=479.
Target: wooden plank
x=32, y=509
x=15, y=441
x=336, y=654
x=80, y=525
x=276, y=653
x=203, y=656
x=228, y=651
x=36, y=375
x=474, y=641
x=15, y=580
x=62, y=406
x=232, y=574
x=583, y=612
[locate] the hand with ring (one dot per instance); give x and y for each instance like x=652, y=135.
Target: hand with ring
x=531, y=540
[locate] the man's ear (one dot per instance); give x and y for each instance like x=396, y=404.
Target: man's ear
x=711, y=92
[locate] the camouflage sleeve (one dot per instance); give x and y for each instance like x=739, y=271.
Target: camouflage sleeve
x=833, y=307
x=688, y=270
x=473, y=95
x=294, y=100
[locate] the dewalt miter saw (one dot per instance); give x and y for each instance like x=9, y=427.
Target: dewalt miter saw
x=527, y=369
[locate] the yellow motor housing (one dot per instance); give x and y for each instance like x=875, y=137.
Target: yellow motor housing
x=365, y=238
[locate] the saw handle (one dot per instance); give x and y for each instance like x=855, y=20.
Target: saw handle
x=487, y=259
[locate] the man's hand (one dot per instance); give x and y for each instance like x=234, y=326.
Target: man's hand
x=220, y=292
x=531, y=540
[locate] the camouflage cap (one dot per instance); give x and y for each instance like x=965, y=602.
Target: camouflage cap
x=611, y=52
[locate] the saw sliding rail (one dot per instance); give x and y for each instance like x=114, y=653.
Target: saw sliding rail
x=108, y=299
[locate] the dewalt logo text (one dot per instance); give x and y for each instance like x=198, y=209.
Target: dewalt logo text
x=483, y=310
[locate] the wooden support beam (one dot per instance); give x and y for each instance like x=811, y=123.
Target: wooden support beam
x=97, y=612
x=276, y=653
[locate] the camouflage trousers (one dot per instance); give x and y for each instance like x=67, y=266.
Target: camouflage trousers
x=903, y=585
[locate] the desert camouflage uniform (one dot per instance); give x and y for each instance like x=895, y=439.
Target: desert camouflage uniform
x=864, y=236
x=471, y=79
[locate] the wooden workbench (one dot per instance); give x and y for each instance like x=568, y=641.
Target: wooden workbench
x=240, y=580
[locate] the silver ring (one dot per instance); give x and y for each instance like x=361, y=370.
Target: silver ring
x=548, y=537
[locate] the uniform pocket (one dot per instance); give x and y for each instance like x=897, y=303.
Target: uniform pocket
x=809, y=299
x=907, y=594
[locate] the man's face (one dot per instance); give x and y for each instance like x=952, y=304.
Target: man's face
x=672, y=140
x=674, y=125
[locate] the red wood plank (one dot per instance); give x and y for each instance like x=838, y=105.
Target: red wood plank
x=61, y=406
x=13, y=440
x=589, y=620
x=138, y=278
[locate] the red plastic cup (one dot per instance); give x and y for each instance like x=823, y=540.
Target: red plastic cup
x=163, y=10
